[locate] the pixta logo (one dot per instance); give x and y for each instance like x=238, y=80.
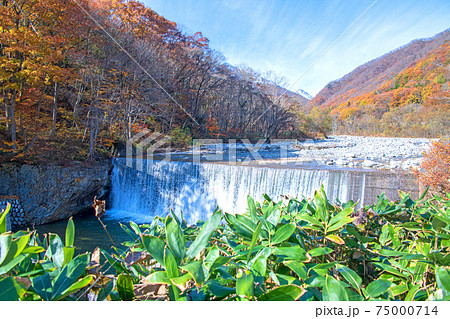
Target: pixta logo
x=147, y=148
x=142, y=147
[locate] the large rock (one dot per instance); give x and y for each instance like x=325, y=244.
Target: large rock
x=342, y=162
x=368, y=163
x=50, y=193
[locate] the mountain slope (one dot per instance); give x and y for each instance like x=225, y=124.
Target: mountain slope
x=374, y=73
x=404, y=92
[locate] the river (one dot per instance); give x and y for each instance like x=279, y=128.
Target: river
x=144, y=189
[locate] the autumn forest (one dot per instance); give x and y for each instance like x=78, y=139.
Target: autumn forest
x=78, y=76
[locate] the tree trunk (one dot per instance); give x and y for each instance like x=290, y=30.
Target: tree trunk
x=38, y=112
x=93, y=132
x=53, y=133
x=6, y=103
x=12, y=119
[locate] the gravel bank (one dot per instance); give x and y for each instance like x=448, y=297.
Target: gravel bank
x=369, y=152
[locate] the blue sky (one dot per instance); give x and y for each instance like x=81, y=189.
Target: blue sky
x=288, y=36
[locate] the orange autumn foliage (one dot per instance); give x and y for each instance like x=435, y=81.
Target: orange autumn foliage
x=434, y=171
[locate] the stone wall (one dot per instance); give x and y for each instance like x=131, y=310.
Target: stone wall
x=16, y=215
x=50, y=193
x=390, y=183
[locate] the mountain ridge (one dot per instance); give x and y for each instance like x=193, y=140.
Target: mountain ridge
x=432, y=43
x=411, y=79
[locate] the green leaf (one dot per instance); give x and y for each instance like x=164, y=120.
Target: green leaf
x=282, y=293
x=220, y=261
x=267, y=198
x=413, y=289
x=320, y=251
x=3, y=218
x=353, y=231
x=10, y=289
x=320, y=200
x=244, y=284
x=252, y=209
x=158, y=277
x=128, y=231
x=238, y=227
x=155, y=247
x=259, y=266
x=322, y=269
x=26, y=265
x=297, y=267
x=340, y=223
x=376, y=288
x=175, y=238
x=113, y=262
x=135, y=227
x=69, y=275
x=443, y=280
x=55, y=250
x=212, y=256
x=172, y=271
x=399, y=289
x=80, y=284
x=283, y=233
x=32, y=250
x=106, y=290
x=335, y=239
x=419, y=270
x=43, y=286
x=353, y=296
x=68, y=254
x=181, y=280
x=255, y=238
x=393, y=234
x=219, y=290
x=338, y=218
x=7, y=266
x=390, y=269
x=311, y=220
x=175, y=217
x=170, y=264
x=246, y=222
x=351, y=276
x=291, y=253
x=70, y=232
x=333, y=290
x=5, y=244
x=195, y=269
x=10, y=251
x=403, y=255
x=273, y=215
x=20, y=243
x=287, y=280
x=125, y=287
x=316, y=281
x=204, y=235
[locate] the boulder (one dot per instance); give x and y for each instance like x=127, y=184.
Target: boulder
x=350, y=155
x=368, y=163
x=342, y=162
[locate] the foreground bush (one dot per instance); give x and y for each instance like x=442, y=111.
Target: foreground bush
x=434, y=172
x=288, y=250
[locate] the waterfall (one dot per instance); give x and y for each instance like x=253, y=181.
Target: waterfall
x=195, y=189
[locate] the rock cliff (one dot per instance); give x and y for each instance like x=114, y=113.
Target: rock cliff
x=50, y=193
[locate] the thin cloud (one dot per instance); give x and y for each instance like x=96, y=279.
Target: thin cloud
x=288, y=35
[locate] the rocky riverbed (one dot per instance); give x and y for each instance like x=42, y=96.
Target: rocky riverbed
x=338, y=151
x=366, y=152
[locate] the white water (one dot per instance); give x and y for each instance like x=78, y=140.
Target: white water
x=196, y=189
